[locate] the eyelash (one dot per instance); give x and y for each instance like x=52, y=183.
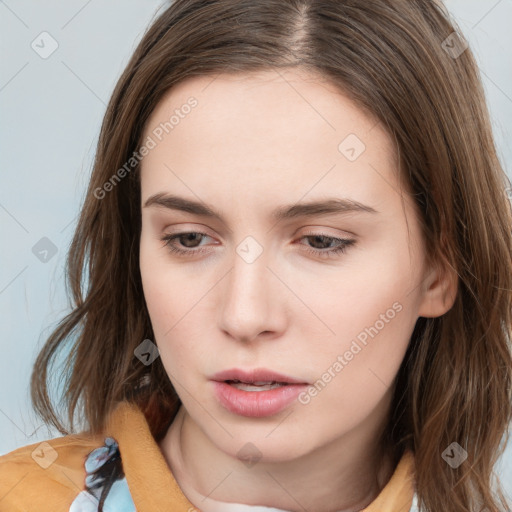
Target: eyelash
x=323, y=253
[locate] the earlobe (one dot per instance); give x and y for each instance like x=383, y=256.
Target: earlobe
x=439, y=291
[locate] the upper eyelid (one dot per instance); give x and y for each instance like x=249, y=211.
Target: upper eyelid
x=351, y=238
x=310, y=232
x=313, y=230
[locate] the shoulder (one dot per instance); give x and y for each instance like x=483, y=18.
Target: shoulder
x=47, y=475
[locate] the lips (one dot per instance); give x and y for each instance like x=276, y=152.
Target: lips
x=255, y=393
x=258, y=376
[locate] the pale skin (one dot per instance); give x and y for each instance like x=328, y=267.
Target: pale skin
x=253, y=143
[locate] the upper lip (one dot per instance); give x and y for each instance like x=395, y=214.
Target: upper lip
x=254, y=375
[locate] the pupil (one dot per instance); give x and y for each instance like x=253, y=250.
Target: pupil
x=190, y=237
x=318, y=239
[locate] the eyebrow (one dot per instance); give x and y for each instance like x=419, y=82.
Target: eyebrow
x=325, y=207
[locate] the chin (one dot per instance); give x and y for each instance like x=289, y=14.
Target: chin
x=255, y=445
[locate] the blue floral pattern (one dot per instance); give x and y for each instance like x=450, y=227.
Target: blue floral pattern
x=118, y=498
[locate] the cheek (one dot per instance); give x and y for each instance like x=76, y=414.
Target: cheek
x=352, y=296
x=356, y=368
x=162, y=291
x=154, y=284
x=368, y=315
x=173, y=301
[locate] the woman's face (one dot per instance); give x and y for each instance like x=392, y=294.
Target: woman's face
x=251, y=289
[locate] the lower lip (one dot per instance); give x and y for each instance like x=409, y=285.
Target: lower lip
x=256, y=404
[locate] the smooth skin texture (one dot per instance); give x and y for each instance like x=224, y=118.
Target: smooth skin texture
x=253, y=143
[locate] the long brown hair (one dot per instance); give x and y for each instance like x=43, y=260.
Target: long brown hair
x=403, y=62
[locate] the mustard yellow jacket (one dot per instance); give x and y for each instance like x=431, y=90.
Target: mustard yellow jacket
x=64, y=474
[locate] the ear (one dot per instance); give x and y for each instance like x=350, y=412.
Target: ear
x=439, y=288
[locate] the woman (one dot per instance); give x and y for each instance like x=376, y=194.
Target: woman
x=259, y=369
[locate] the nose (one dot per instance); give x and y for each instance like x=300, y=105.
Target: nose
x=251, y=302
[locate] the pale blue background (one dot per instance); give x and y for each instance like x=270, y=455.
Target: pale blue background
x=50, y=112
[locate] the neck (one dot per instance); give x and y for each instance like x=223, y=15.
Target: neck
x=345, y=475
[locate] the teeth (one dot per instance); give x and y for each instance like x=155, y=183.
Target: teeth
x=257, y=386
x=257, y=383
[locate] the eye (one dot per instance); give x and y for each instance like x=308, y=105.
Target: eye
x=343, y=245
x=190, y=239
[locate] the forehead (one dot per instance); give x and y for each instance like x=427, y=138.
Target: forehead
x=269, y=130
